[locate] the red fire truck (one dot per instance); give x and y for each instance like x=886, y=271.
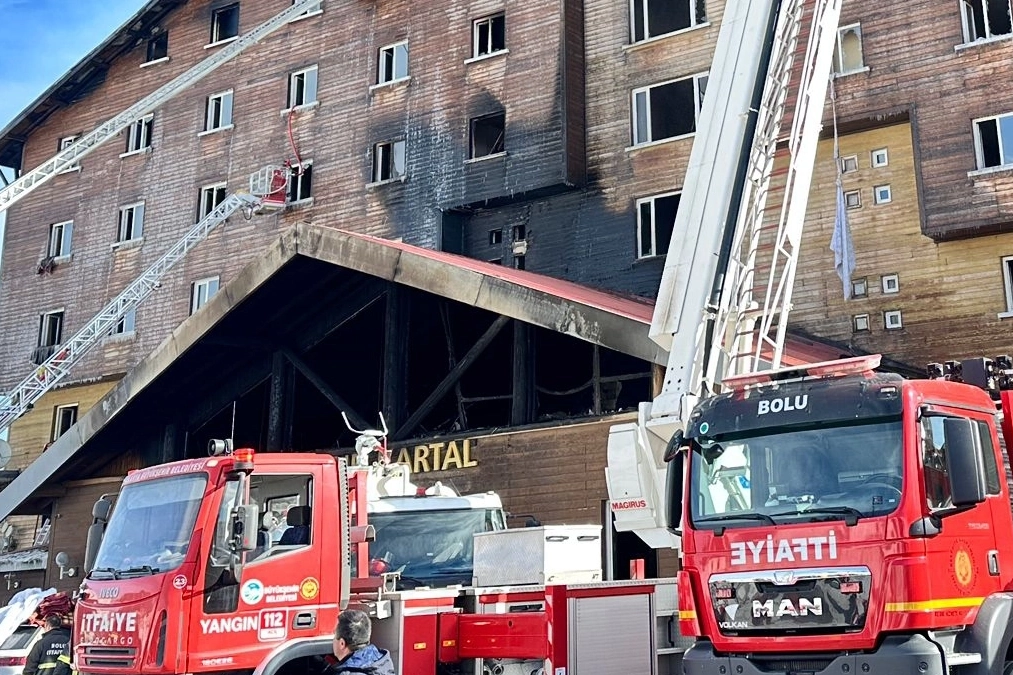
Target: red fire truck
x=183, y=584
x=839, y=520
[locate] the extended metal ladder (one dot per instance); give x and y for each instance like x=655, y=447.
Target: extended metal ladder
x=70, y=155
x=23, y=396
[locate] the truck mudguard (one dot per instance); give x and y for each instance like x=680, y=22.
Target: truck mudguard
x=990, y=636
x=295, y=649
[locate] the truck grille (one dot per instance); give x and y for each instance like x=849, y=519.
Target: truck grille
x=794, y=666
x=109, y=657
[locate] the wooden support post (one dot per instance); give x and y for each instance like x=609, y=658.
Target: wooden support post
x=395, y=356
x=462, y=413
x=522, y=409
x=279, y=421
x=453, y=376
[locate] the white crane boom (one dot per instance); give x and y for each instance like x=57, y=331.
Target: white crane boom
x=706, y=315
x=70, y=155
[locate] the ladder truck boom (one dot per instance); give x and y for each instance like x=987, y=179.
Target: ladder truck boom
x=67, y=157
x=25, y=394
x=707, y=314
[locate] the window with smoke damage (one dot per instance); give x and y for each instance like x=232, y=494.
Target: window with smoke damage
x=986, y=19
x=993, y=138
x=668, y=109
x=653, y=18
x=225, y=23
x=655, y=222
x=488, y=135
x=848, y=57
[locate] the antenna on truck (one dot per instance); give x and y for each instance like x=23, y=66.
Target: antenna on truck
x=369, y=440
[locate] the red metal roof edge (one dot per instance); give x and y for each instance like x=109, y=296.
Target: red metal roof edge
x=797, y=350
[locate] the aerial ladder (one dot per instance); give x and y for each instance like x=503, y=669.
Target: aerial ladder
x=268, y=189
x=726, y=287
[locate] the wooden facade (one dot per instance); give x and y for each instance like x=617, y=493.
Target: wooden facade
x=951, y=295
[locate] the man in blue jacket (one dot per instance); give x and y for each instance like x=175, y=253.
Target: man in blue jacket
x=352, y=648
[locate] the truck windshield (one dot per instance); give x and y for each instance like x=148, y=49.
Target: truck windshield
x=151, y=527
x=431, y=548
x=833, y=472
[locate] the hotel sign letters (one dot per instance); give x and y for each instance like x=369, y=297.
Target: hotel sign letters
x=439, y=456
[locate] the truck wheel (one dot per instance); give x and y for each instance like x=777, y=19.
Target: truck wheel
x=1007, y=668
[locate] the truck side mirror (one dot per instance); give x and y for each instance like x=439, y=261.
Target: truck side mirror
x=673, y=490
x=244, y=527
x=100, y=516
x=963, y=463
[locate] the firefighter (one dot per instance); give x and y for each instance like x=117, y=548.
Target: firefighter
x=352, y=648
x=45, y=654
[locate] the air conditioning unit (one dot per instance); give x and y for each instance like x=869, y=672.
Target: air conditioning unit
x=521, y=247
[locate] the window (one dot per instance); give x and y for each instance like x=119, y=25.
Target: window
x=651, y=18
x=520, y=232
x=225, y=23
x=984, y=19
x=883, y=194
x=489, y=35
x=393, y=63
x=286, y=520
x=313, y=9
x=849, y=164
x=937, y=477
x=201, y=291
x=860, y=323
x=302, y=87
x=1007, y=277
x=60, y=235
x=64, y=417
x=139, y=134
x=495, y=237
x=994, y=139
x=218, y=113
x=300, y=183
x=125, y=326
x=655, y=222
x=519, y=262
x=667, y=110
x=892, y=319
x=388, y=161
x=848, y=57
x=853, y=199
x=880, y=158
x=65, y=143
x=890, y=283
x=859, y=287
x=158, y=47
x=51, y=329
x=210, y=197
x=131, y=226
x=487, y=135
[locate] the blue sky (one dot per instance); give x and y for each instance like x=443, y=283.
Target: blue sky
x=40, y=40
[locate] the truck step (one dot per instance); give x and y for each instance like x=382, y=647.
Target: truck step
x=962, y=659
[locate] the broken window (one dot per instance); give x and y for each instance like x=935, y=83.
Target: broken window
x=651, y=18
x=64, y=417
x=388, y=161
x=50, y=329
x=667, y=110
x=218, y=111
x=210, y=197
x=139, y=135
x=994, y=138
x=125, y=326
x=158, y=47
x=848, y=57
x=225, y=23
x=201, y=291
x=131, y=224
x=984, y=19
x=655, y=223
x=302, y=87
x=489, y=35
x=301, y=183
x=487, y=135
x=393, y=63
x=60, y=236
x=65, y=143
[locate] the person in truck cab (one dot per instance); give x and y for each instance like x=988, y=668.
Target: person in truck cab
x=45, y=655
x=352, y=648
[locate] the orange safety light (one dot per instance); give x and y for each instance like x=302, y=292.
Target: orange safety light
x=243, y=456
